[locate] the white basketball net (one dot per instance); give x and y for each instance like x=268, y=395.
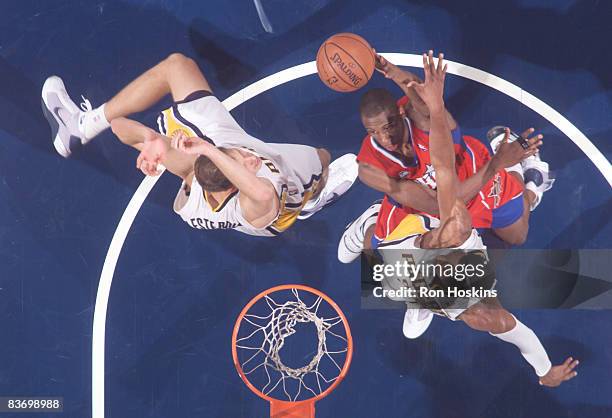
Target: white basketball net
x=270, y=333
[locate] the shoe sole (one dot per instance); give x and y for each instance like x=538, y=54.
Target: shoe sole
x=58, y=144
x=422, y=327
x=335, y=197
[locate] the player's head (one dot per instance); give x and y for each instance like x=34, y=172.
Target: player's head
x=382, y=118
x=212, y=179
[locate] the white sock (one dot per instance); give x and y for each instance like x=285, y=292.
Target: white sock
x=530, y=346
x=93, y=122
x=516, y=168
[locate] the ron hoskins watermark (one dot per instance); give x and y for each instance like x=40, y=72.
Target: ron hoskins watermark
x=433, y=278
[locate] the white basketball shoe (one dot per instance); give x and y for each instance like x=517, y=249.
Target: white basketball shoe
x=416, y=322
x=536, y=174
x=71, y=127
x=352, y=240
x=342, y=174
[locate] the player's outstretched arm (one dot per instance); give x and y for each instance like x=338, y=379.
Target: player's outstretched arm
x=417, y=197
x=131, y=132
x=507, y=155
x=441, y=149
x=151, y=144
x=408, y=193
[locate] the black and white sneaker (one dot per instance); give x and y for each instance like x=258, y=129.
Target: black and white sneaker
x=352, y=240
x=64, y=117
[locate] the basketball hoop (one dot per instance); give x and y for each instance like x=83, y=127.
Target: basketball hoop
x=262, y=331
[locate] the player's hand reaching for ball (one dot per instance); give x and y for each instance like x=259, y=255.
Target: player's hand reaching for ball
x=431, y=91
x=190, y=145
x=511, y=153
x=393, y=72
x=386, y=68
x=561, y=373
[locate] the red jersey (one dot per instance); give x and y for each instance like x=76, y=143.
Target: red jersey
x=495, y=206
x=471, y=154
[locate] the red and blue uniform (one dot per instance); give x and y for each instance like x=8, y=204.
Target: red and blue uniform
x=498, y=204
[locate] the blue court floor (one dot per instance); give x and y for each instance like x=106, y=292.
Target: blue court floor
x=176, y=292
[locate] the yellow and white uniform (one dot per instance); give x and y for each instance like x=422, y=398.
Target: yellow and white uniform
x=400, y=246
x=294, y=170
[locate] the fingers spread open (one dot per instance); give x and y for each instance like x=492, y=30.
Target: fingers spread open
x=527, y=132
x=573, y=364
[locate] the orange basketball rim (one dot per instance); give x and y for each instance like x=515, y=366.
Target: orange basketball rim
x=296, y=309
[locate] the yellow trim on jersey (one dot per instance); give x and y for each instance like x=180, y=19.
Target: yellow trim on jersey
x=411, y=225
x=288, y=216
x=172, y=124
x=221, y=204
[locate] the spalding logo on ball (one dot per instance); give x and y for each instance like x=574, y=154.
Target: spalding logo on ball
x=345, y=62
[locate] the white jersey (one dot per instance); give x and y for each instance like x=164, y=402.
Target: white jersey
x=404, y=248
x=294, y=170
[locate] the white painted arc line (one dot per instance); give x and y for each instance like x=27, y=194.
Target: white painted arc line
x=524, y=97
x=267, y=83
x=104, y=287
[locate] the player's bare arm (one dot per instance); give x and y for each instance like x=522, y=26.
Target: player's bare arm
x=507, y=155
x=154, y=149
x=407, y=193
x=258, y=198
x=441, y=150
x=416, y=109
x=413, y=195
x=455, y=221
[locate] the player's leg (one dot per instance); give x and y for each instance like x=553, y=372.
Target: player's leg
x=515, y=233
x=489, y=316
x=177, y=75
x=531, y=176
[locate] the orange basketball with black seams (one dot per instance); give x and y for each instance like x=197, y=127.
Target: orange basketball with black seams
x=345, y=62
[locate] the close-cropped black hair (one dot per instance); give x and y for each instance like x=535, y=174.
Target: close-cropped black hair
x=377, y=101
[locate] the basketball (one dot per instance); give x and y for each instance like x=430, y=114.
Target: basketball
x=345, y=62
